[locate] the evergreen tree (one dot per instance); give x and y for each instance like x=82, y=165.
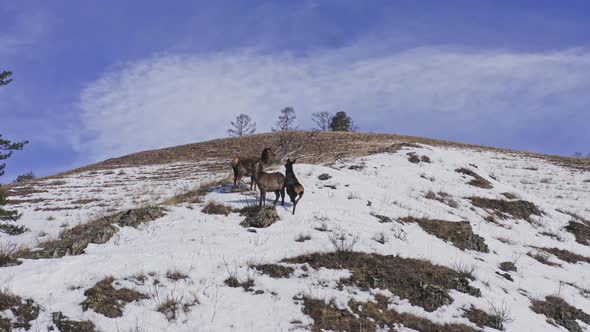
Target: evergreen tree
x=242, y=125
x=6, y=149
x=341, y=122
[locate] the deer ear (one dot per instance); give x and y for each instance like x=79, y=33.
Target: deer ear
x=294, y=160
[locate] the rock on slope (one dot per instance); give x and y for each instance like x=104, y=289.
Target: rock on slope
x=383, y=242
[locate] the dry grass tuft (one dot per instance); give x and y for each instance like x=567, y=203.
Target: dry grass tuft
x=542, y=258
x=496, y=320
x=274, y=270
x=176, y=275
x=66, y=325
x=216, y=208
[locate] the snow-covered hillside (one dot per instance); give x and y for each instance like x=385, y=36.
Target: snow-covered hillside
x=177, y=271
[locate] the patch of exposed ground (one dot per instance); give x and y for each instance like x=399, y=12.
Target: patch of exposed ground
x=421, y=282
x=23, y=312
x=477, y=181
x=216, y=208
x=566, y=256
x=442, y=197
x=542, y=257
x=579, y=227
x=369, y=317
x=559, y=312
x=503, y=209
x=74, y=241
x=460, y=234
x=104, y=299
x=274, y=270
x=66, y=325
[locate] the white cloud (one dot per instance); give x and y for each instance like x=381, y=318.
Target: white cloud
x=169, y=100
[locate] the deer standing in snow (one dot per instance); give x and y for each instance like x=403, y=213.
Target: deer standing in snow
x=294, y=188
x=269, y=182
x=246, y=165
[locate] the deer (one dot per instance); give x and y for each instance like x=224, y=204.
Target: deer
x=242, y=166
x=246, y=165
x=294, y=188
x=269, y=182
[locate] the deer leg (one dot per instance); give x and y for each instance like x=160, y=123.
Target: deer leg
x=277, y=195
x=283, y=196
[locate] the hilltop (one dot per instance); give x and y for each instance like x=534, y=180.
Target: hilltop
x=393, y=232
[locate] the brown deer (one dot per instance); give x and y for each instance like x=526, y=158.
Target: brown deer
x=269, y=182
x=246, y=166
x=294, y=188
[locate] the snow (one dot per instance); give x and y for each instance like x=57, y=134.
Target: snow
x=208, y=248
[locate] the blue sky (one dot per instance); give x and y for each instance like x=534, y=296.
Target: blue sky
x=99, y=79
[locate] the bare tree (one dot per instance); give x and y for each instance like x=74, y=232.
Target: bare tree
x=286, y=121
x=322, y=120
x=241, y=126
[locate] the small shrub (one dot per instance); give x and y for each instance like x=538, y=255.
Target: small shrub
x=352, y=195
x=465, y=270
x=323, y=227
x=399, y=233
x=380, y=238
x=7, y=254
x=12, y=230
x=343, y=246
x=507, y=266
x=499, y=316
x=169, y=308
x=176, y=275
x=303, y=238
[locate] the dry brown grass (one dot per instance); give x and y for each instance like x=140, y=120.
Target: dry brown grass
x=421, y=282
x=477, y=181
x=66, y=325
x=566, y=256
x=274, y=270
x=213, y=207
x=74, y=241
x=459, y=234
x=579, y=227
x=560, y=312
x=494, y=320
x=104, y=299
x=311, y=148
x=542, y=258
x=442, y=197
x=368, y=316
x=503, y=209
x=23, y=311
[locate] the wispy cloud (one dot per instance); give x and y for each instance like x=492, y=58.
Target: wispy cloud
x=174, y=99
